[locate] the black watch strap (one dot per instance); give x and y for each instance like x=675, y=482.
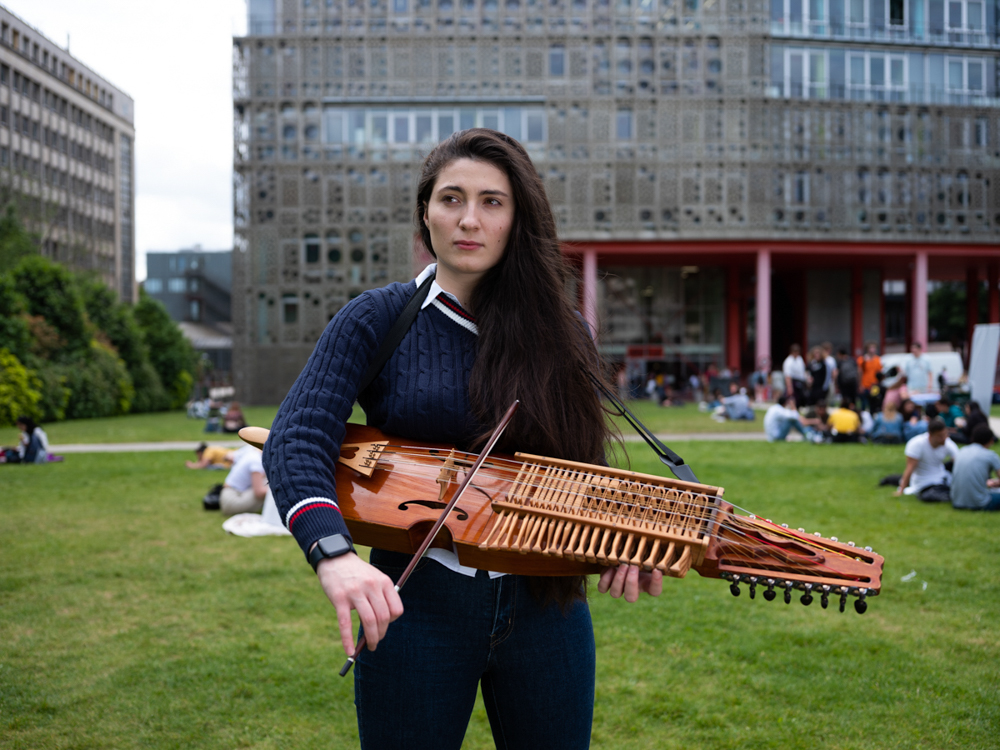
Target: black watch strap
x=329, y=546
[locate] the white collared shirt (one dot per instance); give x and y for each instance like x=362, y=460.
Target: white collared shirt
x=448, y=558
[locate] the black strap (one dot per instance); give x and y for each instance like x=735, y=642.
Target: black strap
x=674, y=462
x=396, y=333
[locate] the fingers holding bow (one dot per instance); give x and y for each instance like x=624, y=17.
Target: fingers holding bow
x=629, y=581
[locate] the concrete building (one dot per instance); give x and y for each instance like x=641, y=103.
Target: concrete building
x=732, y=176
x=67, y=155
x=195, y=286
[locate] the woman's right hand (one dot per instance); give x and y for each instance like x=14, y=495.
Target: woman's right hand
x=351, y=583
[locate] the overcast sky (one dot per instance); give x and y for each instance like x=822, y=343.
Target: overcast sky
x=175, y=61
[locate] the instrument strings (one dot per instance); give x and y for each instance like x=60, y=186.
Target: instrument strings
x=676, y=509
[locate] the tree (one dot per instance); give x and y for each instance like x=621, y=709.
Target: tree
x=117, y=322
x=170, y=354
x=51, y=291
x=99, y=383
x=15, y=241
x=947, y=313
x=19, y=390
x=15, y=335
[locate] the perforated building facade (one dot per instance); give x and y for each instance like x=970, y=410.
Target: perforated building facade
x=732, y=175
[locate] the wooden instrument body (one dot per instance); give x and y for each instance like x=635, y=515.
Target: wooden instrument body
x=531, y=515
x=394, y=510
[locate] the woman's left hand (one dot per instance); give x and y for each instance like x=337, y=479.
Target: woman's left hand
x=630, y=581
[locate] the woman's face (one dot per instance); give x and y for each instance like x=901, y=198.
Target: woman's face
x=469, y=215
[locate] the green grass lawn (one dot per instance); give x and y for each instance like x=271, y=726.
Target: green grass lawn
x=141, y=428
x=175, y=425
x=128, y=619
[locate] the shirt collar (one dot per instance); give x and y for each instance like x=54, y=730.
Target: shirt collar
x=435, y=289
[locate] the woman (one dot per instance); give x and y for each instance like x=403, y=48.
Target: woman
x=233, y=421
x=817, y=371
x=888, y=426
x=496, y=326
x=913, y=420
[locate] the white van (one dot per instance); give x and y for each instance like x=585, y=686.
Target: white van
x=950, y=363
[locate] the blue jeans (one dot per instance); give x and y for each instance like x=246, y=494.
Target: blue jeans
x=994, y=503
x=786, y=426
x=535, y=663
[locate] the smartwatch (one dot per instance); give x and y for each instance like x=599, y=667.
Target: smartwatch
x=330, y=546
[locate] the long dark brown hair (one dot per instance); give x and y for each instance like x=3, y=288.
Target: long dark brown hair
x=533, y=346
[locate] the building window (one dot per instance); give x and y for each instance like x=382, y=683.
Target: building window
x=965, y=16
x=897, y=13
x=981, y=132
x=965, y=77
x=195, y=310
x=557, y=60
x=404, y=126
x=623, y=125
x=177, y=285
x=312, y=248
x=877, y=76
x=290, y=308
x=153, y=286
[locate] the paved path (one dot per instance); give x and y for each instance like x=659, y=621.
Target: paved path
x=188, y=445
x=192, y=444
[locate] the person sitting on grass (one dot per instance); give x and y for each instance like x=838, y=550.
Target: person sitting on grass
x=925, y=474
x=974, y=417
x=737, y=404
x=233, y=419
x=887, y=428
x=914, y=422
x=32, y=446
x=211, y=457
x=972, y=487
x=845, y=424
x=782, y=417
x=245, y=486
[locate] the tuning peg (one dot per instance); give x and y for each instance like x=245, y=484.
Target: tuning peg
x=860, y=605
x=824, y=600
x=843, y=598
x=834, y=539
x=806, y=598
x=769, y=594
x=734, y=588
x=753, y=587
x=788, y=592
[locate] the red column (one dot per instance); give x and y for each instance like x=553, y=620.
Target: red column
x=971, y=302
x=733, y=318
x=857, y=311
x=881, y=311
x=763, y=353
x=919, y=300
x=992, y=274
x=590, y=289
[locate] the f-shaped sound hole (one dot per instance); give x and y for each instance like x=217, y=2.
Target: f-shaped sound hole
x=435, y=505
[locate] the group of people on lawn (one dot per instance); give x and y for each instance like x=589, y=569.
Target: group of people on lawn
x=889, y=415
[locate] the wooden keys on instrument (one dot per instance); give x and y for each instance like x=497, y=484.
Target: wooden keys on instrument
x=609, y=517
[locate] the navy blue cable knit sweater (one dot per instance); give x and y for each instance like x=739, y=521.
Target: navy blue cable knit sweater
x=422, y=393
